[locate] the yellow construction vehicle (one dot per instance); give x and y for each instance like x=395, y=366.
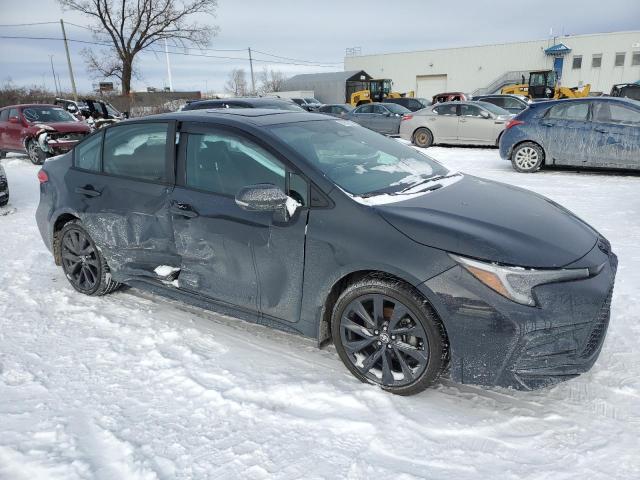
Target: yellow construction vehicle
x=377, y=90
x=544, y=84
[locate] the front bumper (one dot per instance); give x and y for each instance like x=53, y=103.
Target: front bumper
x=496, y=342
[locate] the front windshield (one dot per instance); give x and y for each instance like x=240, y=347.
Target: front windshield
x=47, y=115
x=311, y=100
x=496, y=110
x=111, y=110
x=395, y=108
x=358, y=160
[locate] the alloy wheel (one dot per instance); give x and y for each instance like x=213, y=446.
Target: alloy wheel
x=527, y=158
x=80, y=260
x=384, y=340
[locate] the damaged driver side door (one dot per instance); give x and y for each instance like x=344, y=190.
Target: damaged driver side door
x=252, y=260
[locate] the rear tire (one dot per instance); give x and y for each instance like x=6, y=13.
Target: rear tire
x=387, y=334
x=527, y=157
x=82, y=263
x=36, y=155
x=423, y=138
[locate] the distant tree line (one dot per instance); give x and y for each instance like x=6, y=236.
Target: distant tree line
x=269, y=81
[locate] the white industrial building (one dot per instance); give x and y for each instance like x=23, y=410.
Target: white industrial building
x=601, y=60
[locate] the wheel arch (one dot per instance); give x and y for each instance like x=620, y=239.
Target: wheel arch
x=58, y=225
x=339, y=286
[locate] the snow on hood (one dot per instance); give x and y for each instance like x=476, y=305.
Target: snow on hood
x=417, y=191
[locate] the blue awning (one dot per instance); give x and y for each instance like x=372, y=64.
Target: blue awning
x=557, y=49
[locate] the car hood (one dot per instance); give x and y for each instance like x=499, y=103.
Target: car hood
x=494, y=222
x=66, y=127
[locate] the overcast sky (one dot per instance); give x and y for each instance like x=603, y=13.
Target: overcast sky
x=313, y=30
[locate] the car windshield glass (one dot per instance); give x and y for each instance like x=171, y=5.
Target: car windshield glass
x=282, y=106
x=358, y=160
x=311, y=100
x=112, y=111
x=395, y=108
x=47, y=115
x=496, y=110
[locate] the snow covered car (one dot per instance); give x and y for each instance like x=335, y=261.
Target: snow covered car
x=317, y=226
x=39, y=130
x=4, y=187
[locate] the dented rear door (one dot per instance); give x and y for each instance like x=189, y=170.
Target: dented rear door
x=122, y=196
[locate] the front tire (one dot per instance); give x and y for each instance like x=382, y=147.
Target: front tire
x=423, y=138
x=82, y=263
x=527, y=157
x=385, y=333
x=36, y=155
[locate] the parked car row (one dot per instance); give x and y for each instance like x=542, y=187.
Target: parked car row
x=270, y=215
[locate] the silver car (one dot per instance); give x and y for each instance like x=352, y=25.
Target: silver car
x=464, y=123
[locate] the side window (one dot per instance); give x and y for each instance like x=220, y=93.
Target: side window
x=500, y=102
x=569, y=111
x=223, y=163
x=4, y=115
x=379, y=109
x=298, y=189
x=14, y=113
x=446, y=110
x=137, y=151
x=87, y=154
x=469, y=111
x=368, y=108
x=609, y=112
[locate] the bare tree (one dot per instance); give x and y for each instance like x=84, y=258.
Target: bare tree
x=237, y=83
x=130, y=26
x=271, y=81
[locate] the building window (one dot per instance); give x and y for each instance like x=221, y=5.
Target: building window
x=635, y=59
x=577, y=62
x=620, y=59
x=596, y=60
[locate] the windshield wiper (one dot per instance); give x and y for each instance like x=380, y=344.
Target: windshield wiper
x=427, y=180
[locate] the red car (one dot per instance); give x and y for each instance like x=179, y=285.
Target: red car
x=39, y=130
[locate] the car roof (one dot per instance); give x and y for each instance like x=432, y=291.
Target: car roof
x=254, y=116
x=25, y=105
x=628, y=101
x=253, y=100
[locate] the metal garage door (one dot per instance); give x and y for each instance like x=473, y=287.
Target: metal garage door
x=428, y=85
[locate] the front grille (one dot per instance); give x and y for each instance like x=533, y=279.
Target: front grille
x=3, y=183
x=596, y=337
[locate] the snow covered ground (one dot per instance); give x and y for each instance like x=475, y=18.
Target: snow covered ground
x=132, y=386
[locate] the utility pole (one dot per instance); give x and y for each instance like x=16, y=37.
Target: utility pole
x=253, y=79
x=166, y=52
x=66, y=47
x=53, y=73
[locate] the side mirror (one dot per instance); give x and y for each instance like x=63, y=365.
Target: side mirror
x=484, y=114
x=261, y=197
x=72, y=109
x=14, y=120
x=388, y=114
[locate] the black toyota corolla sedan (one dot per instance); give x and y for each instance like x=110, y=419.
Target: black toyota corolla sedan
x=315, y=225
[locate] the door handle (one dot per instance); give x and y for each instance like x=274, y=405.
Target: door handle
x=462, y=120
x=89, y=191
x=601, y=130
x=183, y=209
x=547, y=124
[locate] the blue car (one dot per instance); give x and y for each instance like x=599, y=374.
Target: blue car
x=602, y=132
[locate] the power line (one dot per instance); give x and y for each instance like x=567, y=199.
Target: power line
x=294, y=59
x=223, y=57
x=290, y=61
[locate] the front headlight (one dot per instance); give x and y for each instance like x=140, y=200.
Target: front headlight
x=517, y=283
